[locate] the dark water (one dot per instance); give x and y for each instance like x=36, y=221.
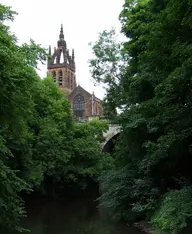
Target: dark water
x=71, y=217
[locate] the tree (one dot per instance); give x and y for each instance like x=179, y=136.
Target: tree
x=88, y=159
x=41, y=148
x=154, y=151
x=107, y=67
x=53, y=128
x=17, y=81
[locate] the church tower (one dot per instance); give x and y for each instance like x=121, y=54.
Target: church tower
x=61, y=65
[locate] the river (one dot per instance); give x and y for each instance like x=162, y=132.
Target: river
x=80, y=216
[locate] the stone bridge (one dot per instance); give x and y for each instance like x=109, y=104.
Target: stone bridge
x=111, y=134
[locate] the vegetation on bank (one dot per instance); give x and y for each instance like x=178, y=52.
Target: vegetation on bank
x=149, y=78
x=39, y=141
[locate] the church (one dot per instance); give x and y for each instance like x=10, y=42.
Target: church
x=61, y=66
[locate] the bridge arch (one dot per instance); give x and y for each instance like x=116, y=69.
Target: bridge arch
x=110, y=137
x=109, y=147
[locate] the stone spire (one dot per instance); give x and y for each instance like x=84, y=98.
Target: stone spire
x=50, y=50
x=61, y=35
x=61, y=41
x=61, y=57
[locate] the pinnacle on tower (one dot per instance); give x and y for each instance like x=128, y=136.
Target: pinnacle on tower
x=61, y=36
x=73, y=54
x=49, y=50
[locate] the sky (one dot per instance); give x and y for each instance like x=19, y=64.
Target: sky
x=82, y=21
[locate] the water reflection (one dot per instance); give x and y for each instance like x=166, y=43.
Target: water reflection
x=74, y=217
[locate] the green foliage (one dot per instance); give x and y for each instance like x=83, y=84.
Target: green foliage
x=39, y=142
x=88, y=159
x=154, y=150
x=32, y=53
x=174, y=211
x=6, y=13
x=17, y=80
x=11, y=205
x=107, y=67
x=116, y=190
x=52, y=125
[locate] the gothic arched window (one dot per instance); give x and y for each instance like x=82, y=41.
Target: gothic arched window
x=78, y=105
x=60, y=78
x=54, y=76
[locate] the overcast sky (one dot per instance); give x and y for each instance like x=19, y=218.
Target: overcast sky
x=82, y=21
